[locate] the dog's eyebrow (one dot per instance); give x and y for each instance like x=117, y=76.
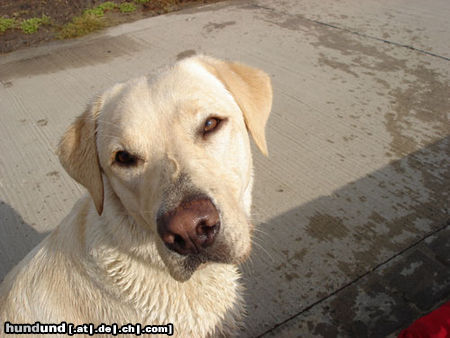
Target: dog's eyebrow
x=195, y=106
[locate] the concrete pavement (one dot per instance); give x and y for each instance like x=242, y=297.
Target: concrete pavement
x=352, y=204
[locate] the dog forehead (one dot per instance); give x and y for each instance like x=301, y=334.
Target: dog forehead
x=191, y=73
x=185, y=82
x=188, y=81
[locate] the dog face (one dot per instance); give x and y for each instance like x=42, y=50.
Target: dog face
x=175, y=152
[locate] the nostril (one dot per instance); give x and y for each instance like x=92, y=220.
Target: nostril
x=210, y=231
x=201, y=228
x=179, y=241
x=206, y=233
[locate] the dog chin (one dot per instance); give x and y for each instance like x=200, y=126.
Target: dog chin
x=181, y=268
x=183, y=272
x=187, y=266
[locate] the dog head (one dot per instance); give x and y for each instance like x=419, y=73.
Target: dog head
x=174, y=152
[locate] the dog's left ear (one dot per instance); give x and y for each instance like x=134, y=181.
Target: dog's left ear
x=77, y=153
x=252, y=90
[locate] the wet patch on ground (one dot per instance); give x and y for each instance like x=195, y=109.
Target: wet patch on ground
x=326, y=227
x=418, y=94
x=213, y=26
x=382, y=302
x=424, y=101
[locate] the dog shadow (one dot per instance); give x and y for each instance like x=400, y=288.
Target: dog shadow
x=304, y=255
x=17, y=238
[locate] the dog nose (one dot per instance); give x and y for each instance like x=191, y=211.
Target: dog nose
x=190, y=227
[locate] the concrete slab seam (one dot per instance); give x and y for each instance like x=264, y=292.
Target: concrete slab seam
x=397, y=44
x=374, y=269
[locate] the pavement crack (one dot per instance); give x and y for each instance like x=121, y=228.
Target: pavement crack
x=356, y=280
x=397, y=44
x=347, y=30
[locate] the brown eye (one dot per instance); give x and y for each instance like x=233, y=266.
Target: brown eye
x=211, y=124
x=124, y=158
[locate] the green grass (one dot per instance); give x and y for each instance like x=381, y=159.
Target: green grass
x=101, y=9
x=127, y=7
x=81, y=25
x=6, y=24
x=91, y=20
x=30, y=26
x=97, y=11
x=108, y=5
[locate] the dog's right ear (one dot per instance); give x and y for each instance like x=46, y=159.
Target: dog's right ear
x=78, y=155
x=252, y=91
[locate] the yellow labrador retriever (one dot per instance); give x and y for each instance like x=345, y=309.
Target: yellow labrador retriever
x=168, y=167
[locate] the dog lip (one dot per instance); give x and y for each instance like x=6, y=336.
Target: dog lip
x=192, y=262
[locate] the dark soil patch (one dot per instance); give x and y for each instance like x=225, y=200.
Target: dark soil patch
x=62, y=12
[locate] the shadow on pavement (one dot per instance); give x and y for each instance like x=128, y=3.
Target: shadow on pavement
x=328, y=250
x=16, y=240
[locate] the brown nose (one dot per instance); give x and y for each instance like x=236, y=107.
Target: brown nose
x=190, y=227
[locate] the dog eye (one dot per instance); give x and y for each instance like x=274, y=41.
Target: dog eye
x=124, y=158
x=211, y=124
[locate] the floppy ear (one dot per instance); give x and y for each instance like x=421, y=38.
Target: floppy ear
x=252, y=90
x=77, y=153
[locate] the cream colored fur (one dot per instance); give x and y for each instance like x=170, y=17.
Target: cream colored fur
x=105, y=262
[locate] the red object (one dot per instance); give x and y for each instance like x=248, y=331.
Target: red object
x=434, y=325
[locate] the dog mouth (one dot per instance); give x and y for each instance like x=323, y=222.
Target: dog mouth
x=192, y=262
x=181, y=268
